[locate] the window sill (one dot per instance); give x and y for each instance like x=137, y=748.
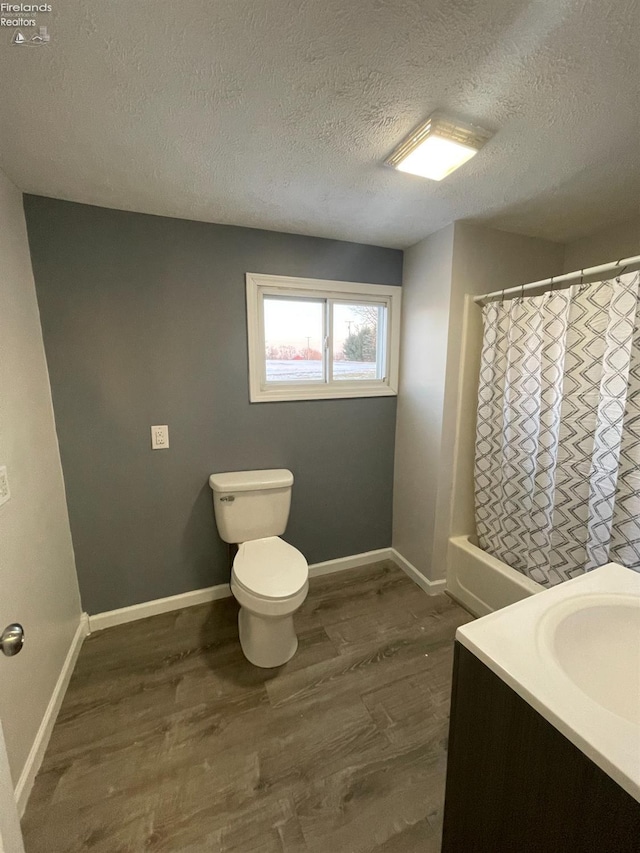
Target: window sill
x=283, y=395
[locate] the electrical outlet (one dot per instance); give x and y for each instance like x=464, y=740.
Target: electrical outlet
x=5, y=494
x=159, y=437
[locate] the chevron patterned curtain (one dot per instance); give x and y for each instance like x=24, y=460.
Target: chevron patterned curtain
x=557, y=469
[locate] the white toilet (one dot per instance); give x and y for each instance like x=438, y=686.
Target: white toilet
x=270, y=578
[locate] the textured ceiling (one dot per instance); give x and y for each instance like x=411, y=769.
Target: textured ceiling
x=278, y=113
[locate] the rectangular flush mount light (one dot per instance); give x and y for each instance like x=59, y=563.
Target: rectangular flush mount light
x=438, y=147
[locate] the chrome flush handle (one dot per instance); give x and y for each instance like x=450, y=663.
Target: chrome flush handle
x=12, y=639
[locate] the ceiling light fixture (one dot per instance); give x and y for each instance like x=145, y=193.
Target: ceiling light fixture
x=438, y=147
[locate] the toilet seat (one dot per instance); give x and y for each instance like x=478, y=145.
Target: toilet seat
x=270, y=569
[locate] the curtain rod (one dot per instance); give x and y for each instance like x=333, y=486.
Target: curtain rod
x=523, y=288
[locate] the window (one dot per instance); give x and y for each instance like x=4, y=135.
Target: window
x=313, y=339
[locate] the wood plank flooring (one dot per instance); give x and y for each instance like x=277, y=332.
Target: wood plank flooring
x=169, y=740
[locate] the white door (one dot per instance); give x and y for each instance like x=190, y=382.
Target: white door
x=10, y=834
x=38, y=583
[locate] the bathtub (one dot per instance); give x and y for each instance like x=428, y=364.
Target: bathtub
x=480, y=582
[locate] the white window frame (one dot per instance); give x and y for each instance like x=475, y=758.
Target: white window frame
x=260, y=285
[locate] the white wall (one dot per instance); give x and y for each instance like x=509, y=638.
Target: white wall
x=38, y=584
x=426, y=295
x=436, y=402
x=620, y=240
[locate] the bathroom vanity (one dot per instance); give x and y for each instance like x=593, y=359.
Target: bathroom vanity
x=544, y=743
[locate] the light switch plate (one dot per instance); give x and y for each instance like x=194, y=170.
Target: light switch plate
x=5, y=494
x=159, y=437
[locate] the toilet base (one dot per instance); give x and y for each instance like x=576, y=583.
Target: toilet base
x=267, y=641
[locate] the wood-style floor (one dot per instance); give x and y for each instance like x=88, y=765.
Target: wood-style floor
x=169, y=740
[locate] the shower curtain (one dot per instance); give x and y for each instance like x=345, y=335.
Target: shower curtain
x=557, y=468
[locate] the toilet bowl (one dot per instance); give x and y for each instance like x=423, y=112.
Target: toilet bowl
x=270, y=578
x=270, y=581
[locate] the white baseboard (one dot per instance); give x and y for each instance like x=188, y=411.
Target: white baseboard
x=37, y=751
x=100, y=621
x=429, y=586
x=109, y=618
x=353, y=562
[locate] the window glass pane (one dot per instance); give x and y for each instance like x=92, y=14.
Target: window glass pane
x=293, y=334
x=357, y=333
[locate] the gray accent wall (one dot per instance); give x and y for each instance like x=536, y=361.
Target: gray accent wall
x=144, y=323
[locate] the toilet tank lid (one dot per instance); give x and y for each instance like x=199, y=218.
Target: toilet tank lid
x=247, y=481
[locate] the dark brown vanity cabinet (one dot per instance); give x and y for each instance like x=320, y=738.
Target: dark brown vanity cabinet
x=516, y=785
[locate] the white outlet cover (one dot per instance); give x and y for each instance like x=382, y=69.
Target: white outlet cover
x=160, y=437
x=5, y=493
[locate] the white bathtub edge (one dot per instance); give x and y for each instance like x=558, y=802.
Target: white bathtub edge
x=482, y=583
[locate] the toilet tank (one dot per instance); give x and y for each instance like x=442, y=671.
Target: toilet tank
x=251, y=504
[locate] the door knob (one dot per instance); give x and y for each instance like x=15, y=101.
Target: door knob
x=12, y=639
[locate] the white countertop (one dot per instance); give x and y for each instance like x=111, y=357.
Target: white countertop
x=535, y=646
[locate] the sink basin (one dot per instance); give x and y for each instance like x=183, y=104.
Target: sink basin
x=573, y=654
x=597, y=645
